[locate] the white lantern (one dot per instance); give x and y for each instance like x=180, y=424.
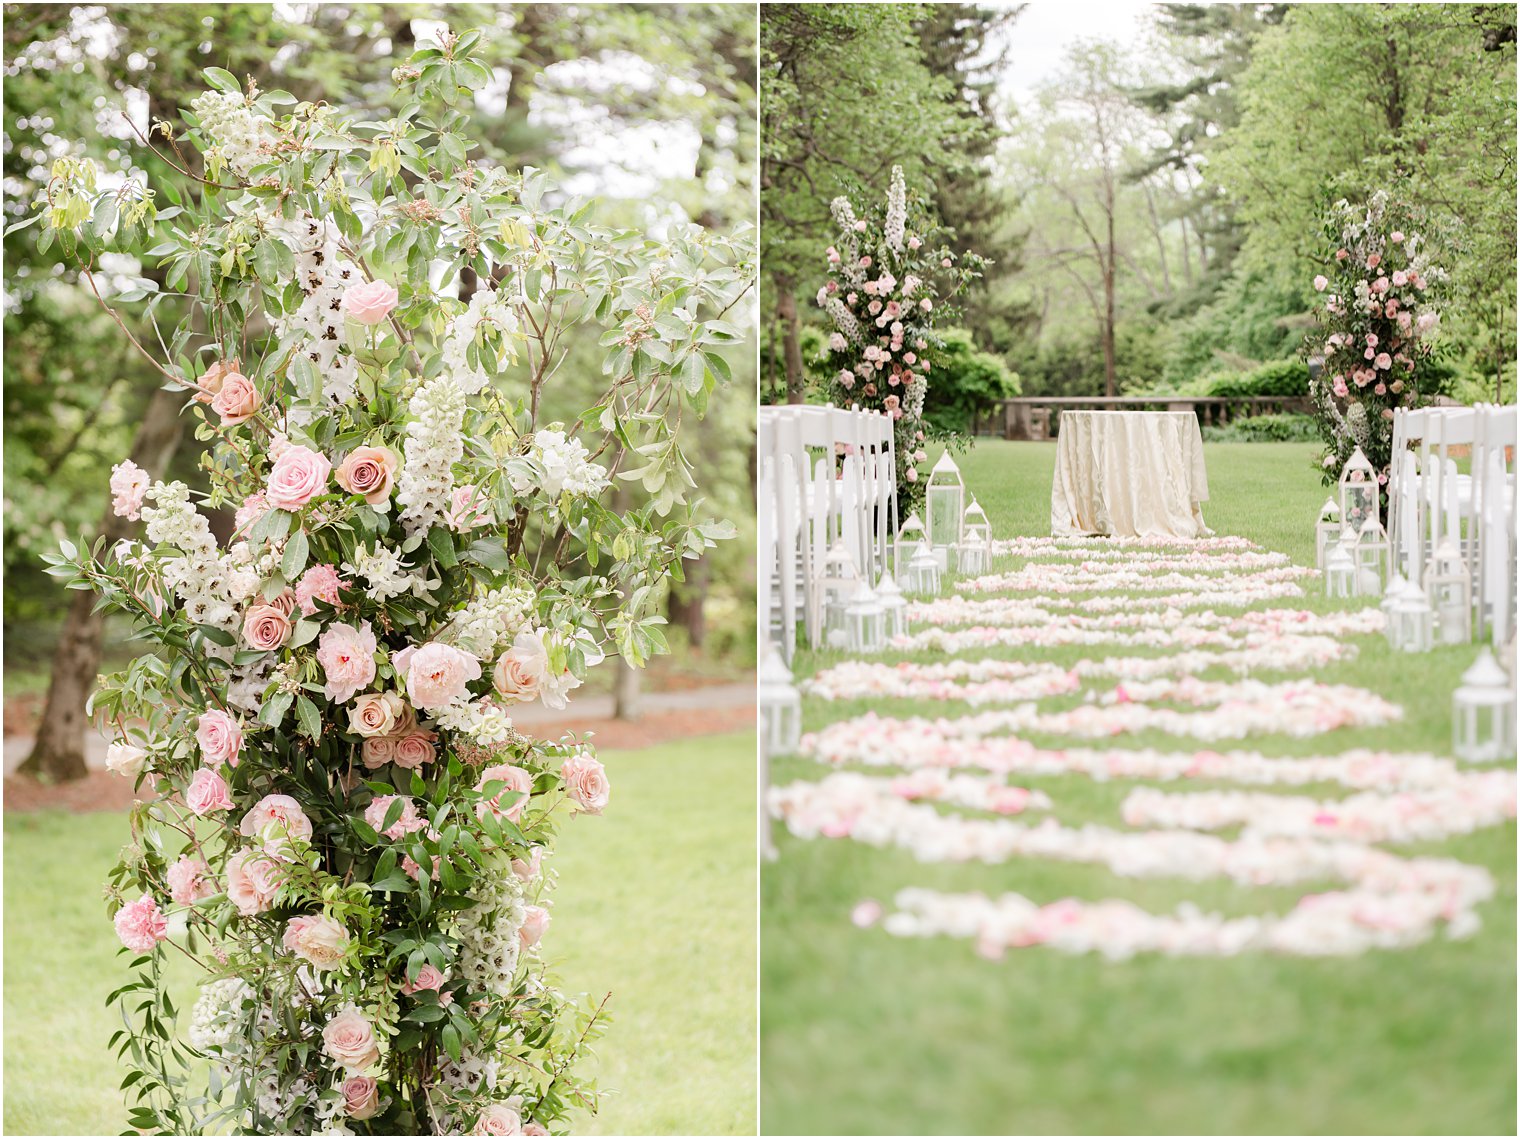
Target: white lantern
x=971, y=555
x=976, y=516
x=865, y=622
x=910, y=538
x=1396, y=586
x=1483, y=712
x=1326, y=531
x=1371, y=557
x=894, y=604
x=923, y=573
x=946, y=503
x=1411, y=620
x=1449, y=589
x=1340, y=567
x=1359, y=491
x=838, y=584
x=780, y=706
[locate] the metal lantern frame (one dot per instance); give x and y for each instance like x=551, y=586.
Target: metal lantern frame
x=974, y=552
x=1371, y=558
x=1326, y=531
x=923, y=573
x=1411, y=620
x=865, y=622
x=976, y=516
x=906, y=543
x=1397, y=584
x=893, y=604
x=1448, y=588
x=780, y=706
x=945, y=504
x=1359, y=491
x=1340, y=567
x=1483, y=712
x=837, y=586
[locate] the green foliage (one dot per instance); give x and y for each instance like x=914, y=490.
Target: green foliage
x=966, y=382
x=1265, y=429
x=1287, y=378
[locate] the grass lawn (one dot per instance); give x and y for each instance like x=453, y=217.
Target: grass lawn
x=655, y=904
x=863, y=1033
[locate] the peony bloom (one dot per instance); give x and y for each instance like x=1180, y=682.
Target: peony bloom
x=535, y=924
x=126, y=759
x=516, y=779
x=347, y=657
x=276, y=817
x=298, y=476
x=586, y=782
x=207, y=792
x=436, y=674
x=375, y=714
x=253, y=879
x=361, y=1097
x=129, y=486
x=350, y=1040
x=237, y=401
x=407, y=822
x=1320, y=282
x=141, y=925
x=265, y=628
x=468, y=508
x=368, y=471
x=317, y=939
x=369, y=303
x=414, y=750
x=189, y=880
x=220, y=737
x=318, y=583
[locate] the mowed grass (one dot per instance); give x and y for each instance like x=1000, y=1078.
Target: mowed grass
x=863, y=1033
x=656, y=904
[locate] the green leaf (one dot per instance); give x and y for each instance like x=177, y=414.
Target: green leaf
x=441, y=542
x=296, y=552
x=310, y=719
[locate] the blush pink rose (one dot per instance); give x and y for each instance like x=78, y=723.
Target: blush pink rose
x=189, y=880
x=210, y=383
x=129, y=485
x=347, y=657
x=207, y=792
x=535, y=1129
x=361, y=1097
x=374, y=714
x=530, y=868
x=368, y=471
x=378, y=751
x=369, y=303
x=415, y=750
x=436, y=674
x=499, y=1119
x=516, y=780
x=467, y=509
x=586, y=782
x=276, y=817
x=534, y=925
x=254, y=507
x=265, y=628
x=318, y=583
x=317, y=939
x=253, y=879
x=1320, y=282
x=408, y=822
x=350, y=1040
x=1374, y=260
x=520, y=672
x=298, y=476
x=237, y=401
x=220, y=738
x=429, y=979
x=141, y=924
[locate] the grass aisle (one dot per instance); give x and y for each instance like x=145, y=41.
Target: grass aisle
x=864, y=1033
x=655, y=903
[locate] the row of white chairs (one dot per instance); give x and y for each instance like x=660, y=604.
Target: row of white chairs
x=1430, y=502
x=826, y=474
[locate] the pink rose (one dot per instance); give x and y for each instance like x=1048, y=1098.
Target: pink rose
x=468, y=509
x=535, y=924
x=350, y=1040
x=374, y=714
x=413, y=871
x=436, y=674
x=414, y=750
x=207, y=792
x=377, y=751
x=298, y=476
x=944, y=263
x=220, y=737
x=1384, y=361
x=368, y=471
x=860, y=227
x=528, y=870
x=237, y=401
x=1342, y=254
x=516, y=780
x=254, y=507
x=535, y=1129
x=276, y=817
x=865, y=262
x=1400, y=277
x=265, y=628
x=926, y=304
x=501, y=1118
x=521, y=670
x=361, y=1097
x=1374, y=260
x=129, y=485
x=318, y=583
x=369, y=303
x=1396, y=237
x=210, y=383
x=1380, y=389
x=189, y=880
x=141, y=924
x=347, y=657
x=911, y=474
x=914, y=243
x=586, y=782
x=316, y=939
x=1320, y=282
x=429, y=979
x=253, y=879
x=407, y=822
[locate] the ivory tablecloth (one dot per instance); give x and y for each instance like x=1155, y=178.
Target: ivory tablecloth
x=1128, y=473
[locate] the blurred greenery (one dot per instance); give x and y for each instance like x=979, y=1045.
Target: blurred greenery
x=650, y=107
x=864, y=1033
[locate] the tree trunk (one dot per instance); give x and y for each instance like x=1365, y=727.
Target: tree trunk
x=626, y=702
x=1110, y=377
x=685, y=606
x=58, y=753
x=791, y=340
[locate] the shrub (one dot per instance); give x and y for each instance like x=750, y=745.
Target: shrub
x=1265, y=429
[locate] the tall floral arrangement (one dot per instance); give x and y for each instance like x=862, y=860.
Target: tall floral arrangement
x=892, y=277
x=339, y=823
x=1376, y=328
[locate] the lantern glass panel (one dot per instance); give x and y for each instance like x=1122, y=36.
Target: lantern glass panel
x=1483, y=712
x=945, y=514
x=1359, y=491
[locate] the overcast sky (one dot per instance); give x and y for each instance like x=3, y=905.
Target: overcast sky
x=1041, y=36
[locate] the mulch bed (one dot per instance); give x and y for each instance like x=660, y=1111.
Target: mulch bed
x=102, y=791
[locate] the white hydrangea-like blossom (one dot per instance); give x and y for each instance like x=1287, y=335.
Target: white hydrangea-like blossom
x=218, y=1020
x=388, y=577
x=434, y=443
x=896, y=224
x=488, y=307
x=484, y=721
x=323, y=275
x=488, y=623
x=201, y=576
x=239, y=135
x=844, y=320
x=489, y=945
x=556, y=465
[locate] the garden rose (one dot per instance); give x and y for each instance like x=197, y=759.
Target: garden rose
x=516, y=779
x=298, y=476
x=529, y=869
x=276, y=817
x=254, y=507
x=436, y=674
x=520, y=672
x=377, y=751
x=1374, y=260
x=1320, y=282
x=429, y=979
x=414, y=750
x=911, y=474
x=189, y=880
x=347, y=657
x=586, y=782
x=318, y=583
x=368, y=471
x=374, y=714
x=361, y=1097
x=369, y=303
x=129, y=485
x=253, y=879
x=237, y=401
x=534, y=925
x=1397, y=237
x=407, y=822
x=265, y=628
x=210, y=383
x=350, y=1040
x=499, y=1118
x=468, y=509
x=141, y=925
x=220, y=738
x=535, y=1129
x=317, y=939
x=207, y=792
x=126, y=759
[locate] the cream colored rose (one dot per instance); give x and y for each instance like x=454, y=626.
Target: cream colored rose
x=374, y=714
x=369, y=471
x=361, y=1097
x=237, y=401
x=317, y=939
x=265, y=627
x=350, y=1040
x=499, y=1119
x=522, y=669
x=126, y=759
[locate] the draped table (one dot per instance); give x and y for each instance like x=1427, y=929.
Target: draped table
x=1129, y=473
